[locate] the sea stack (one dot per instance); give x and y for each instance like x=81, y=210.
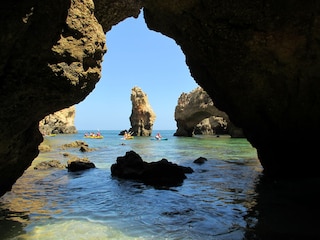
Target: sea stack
x=142, y=116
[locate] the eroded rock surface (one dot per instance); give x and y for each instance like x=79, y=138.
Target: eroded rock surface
x=59, y=122
x=50, y=59
x=142, y=115
x=197, y=108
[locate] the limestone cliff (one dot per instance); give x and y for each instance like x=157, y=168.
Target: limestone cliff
x=194, y=107
x=59, y=122
x=142, y=116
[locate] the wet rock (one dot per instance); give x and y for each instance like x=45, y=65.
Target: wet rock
x=44, y=147
x=78, y=164
x=200, y=160
x=160, y=173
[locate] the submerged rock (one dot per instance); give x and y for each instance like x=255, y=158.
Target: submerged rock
x=200, y=160
x=160, y=173
x=49, y=165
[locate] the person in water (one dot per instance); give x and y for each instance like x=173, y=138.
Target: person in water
x=158, y=136
x=127, y=135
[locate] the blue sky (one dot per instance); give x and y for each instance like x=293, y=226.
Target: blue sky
x=136, y=56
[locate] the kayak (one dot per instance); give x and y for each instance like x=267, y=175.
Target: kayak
x=158, y=139
x=95, y=137
x=128, y=138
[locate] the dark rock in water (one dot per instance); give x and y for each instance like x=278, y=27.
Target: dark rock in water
x=85, y=149
x=161, y=173
x=79, y=164
x=200, y=160
x=122, y=132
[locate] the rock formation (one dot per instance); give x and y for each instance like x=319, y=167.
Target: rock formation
x=197, y=108
x=159, y=174
x=259, y=63
x=142, y=116
x=59, y=122
x=50, y=59
x=258, y=60
x=212, y=126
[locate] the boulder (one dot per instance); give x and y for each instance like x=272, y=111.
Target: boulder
x=200, y=160
x=159, y=174
x=78, y=164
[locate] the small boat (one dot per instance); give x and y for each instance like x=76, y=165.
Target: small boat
x=128, y=138
x=159, y=139
x=95, y=137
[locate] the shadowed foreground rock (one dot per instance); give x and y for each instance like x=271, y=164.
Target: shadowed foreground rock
x=161, y=173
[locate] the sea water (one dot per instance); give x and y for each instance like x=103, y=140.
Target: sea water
x=212, y=203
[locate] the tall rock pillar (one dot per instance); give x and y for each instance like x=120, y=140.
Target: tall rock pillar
x=142, y=116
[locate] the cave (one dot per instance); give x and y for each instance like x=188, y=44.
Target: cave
x=258, y=61
x=259, y=64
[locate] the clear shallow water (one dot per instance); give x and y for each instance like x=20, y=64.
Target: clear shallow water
x=212, y=203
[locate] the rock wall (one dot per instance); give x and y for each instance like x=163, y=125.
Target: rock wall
x=142, y=116
x=50, y=59
x=259, y=62
x=59, y=122
x=196, y=106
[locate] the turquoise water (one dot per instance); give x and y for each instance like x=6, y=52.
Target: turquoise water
x=212, y=203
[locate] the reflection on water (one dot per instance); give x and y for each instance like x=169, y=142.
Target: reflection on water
x=74, y=229
x=225, y=198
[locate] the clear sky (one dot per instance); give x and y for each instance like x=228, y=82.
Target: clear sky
x=136, y=56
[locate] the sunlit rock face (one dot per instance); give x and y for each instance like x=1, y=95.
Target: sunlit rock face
x=259, y=62
x=195, y=107
x=142, y=115
x=211, y=126
x=59, y=122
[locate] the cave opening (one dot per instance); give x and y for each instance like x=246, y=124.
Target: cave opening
x=136, y=56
